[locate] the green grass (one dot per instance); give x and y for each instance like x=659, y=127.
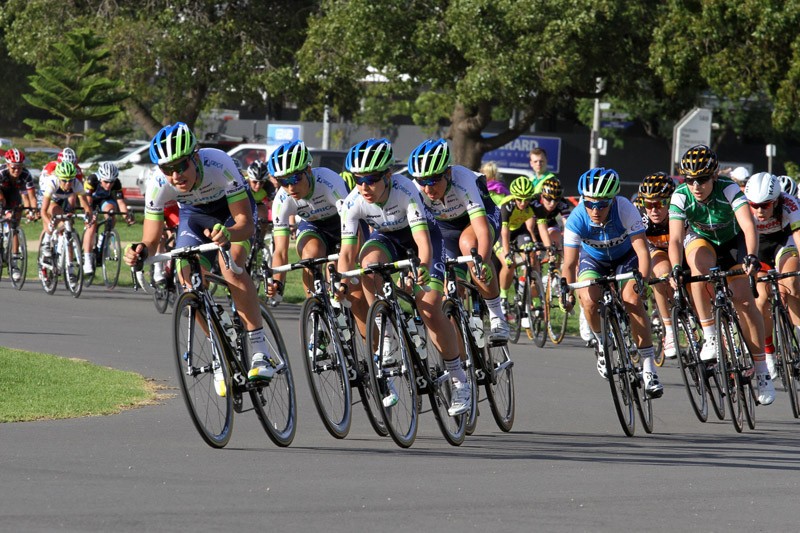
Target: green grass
x=36, y=386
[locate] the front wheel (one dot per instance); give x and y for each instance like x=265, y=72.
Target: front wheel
x=619, y=367
x=537, y=331
x=554, y=314
x=360, y=378
x=726, y=355
x=112, y=259
x=788, y=351
x=73, y=267
x=197, y=363
x=499, y=385
x=48, y=267
x=392, y=374
x=326, y=368
x=692, y=367
x=17, y=263
x=275, y=402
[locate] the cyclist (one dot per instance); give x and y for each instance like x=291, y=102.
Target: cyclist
x=261, y=187
x=391, y=205
x=788, y=185
x=720, y=232
x=16, y=190
x=517, y=224
x=466, y=215
x=654, y=196
x=778, y=224
x=310, y=194
x=105, y=191
x=547, y=206
x=214, y=207
x=58, y=197
x=604, y=235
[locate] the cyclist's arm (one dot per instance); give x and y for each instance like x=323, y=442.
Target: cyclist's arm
x=85, y=203
x=544, y=233
x=424, y=249
x=280, y=256
x=570, y=267
x=505, y=239
x=639, y=243
x=44, y=212
x=677, y=233
x=748, y=226
x=243, y=226
x=530, y=225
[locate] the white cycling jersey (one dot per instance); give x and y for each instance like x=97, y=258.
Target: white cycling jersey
x=327, y=189
x=461, y=198
x=51, y=188
x=402, y=209
x=218, y=180
x=789, y=220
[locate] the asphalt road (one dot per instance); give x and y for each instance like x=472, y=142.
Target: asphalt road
x=566, y=465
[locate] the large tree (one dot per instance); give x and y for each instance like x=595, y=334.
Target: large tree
x=465, y=60
x=175, y=58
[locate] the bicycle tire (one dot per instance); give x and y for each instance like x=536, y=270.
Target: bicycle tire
x=692, y=368
x=731, y=379
x=536, y=318
x=20, y=262
x=326, y=368
x=401, y=419
x=514, y=314
x=746, y=371
x=657, y=327
x=555, y=316
x=3, y=245
x=88, y=279
x=788, y=350
x=211, y=414
x=499, y=383
x=112, y=259
x=275, y=402
x=618, y=366
x=360, y=376
x=48, y=268
x=73, y=266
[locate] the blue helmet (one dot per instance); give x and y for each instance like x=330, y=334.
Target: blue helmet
x=599, y=183
x=430, y=158
x=171, y=143
x=289, y=158
x=369, y=156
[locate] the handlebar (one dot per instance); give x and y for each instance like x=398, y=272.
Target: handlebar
x=185, y=251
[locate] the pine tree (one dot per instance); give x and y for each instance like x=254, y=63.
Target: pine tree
x=74, y=88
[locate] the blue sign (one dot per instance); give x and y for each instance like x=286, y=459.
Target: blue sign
x=516, y=153
x=278, y=134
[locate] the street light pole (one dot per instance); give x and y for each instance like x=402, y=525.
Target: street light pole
x=594, y=149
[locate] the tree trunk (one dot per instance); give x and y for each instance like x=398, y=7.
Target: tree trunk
x=464, y=135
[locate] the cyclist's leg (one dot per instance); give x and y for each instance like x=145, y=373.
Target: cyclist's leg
x=701, y=257
x=589, y=297
x=660, y=268
x=310, y=244
x=787, y=260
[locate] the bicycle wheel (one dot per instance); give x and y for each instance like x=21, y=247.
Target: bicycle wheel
x=88, y=279
x=692, y=368
x=18, y=262
x=73, y=267
x=47, y=267
x=211, y=413
x=746, y=371
x=359, y=375
x=440, y=386
x=112, y=259
x=734, y=393
x=536, y=318
x=392, y=374
x=554, y=314
x=4, y=235
x=657, y=327
x=275, y=402
x=499, y=383
x=514, y=315
x=619, y=368
x=326, y=368
x=788, y=351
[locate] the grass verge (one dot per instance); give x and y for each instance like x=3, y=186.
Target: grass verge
x=36, y=386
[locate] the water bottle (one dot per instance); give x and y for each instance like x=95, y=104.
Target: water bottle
x=344, y=330
x=418, y=341
x=227, y=324
x=100, y=242
x=476, y=327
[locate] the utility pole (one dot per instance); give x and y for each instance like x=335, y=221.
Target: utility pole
x=594, y=148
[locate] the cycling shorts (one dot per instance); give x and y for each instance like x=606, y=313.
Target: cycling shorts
x=396, y=244
x=592, y=268
x=729, y=253
x=329, y=231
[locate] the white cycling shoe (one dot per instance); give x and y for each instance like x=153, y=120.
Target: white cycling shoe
x=498, y=331
x=709, y=352
x=766, y=389
x=461, y=400
x=670, y=352
x=652, y=385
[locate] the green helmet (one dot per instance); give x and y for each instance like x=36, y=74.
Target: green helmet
x=65, y=171
x=289, y=158
x=430, y=158
x=522, y=188
x=369, y=156
x=171, y=143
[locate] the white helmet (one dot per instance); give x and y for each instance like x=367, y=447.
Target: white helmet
x=762, y=187
x=788, y=185
x=68, y=154
x=108, y=171
x=740, y=175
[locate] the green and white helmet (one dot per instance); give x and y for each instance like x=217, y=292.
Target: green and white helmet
x=171, y=143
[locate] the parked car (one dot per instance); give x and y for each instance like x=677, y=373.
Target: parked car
x=248, y=152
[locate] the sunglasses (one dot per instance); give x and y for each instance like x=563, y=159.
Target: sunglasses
x=549, y=198
x=14, y=166
x=762, y=205
x=369, y=179
x=699, y=181
x=293, y=179
x=430, y=180
x=600, y=204
x=178, y=166
x=654, y=205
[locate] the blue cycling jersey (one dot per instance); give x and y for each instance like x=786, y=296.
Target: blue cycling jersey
x=609, y=241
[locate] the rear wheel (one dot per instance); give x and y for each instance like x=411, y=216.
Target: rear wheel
x=18, y=263
x=514, y=314
x=555, y=316
x=788, y=350
x=326, y=368
x=195, y=362
x=692, y=368
x=536, y=317
x=360, y=378
x=392, y=374
x=112, y=259
x=499, y=385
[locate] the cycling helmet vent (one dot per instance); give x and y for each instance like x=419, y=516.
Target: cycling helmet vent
x=65, y=171
x=699, y=161
x=14, y=156
x=430, y=158
x=788, y=185
x=370, y=156
x=289, y=158
x=656, y=186
x=522, y=188
x=599, y=183
x=257, y=171
x=171, y=143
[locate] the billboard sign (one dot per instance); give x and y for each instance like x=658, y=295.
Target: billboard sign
x=277, y=134
x=515, y=153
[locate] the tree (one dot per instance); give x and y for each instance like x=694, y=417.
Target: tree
x=464, y=60
x=174, y=58
x=74, y=88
